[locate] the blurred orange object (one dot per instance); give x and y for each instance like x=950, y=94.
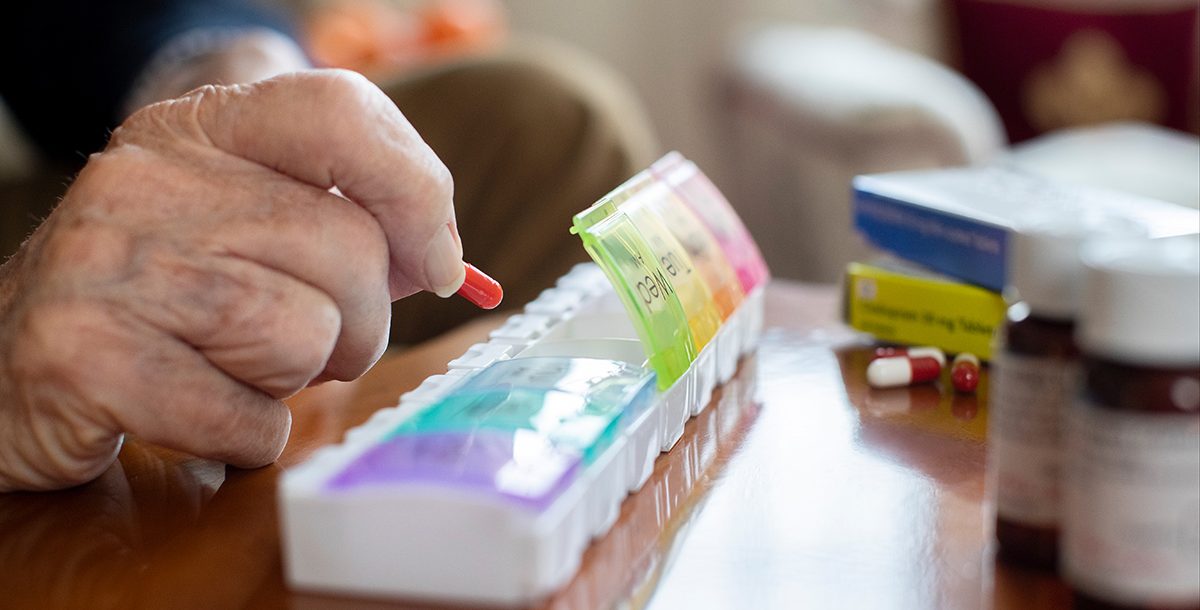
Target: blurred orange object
x=461, y=22
x=377, y=36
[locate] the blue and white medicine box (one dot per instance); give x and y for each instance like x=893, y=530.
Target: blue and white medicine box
x=958, y=221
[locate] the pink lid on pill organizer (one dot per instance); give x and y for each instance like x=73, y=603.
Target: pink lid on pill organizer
x=703, y=197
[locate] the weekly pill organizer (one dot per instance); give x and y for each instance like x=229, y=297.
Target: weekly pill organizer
x=487, y=483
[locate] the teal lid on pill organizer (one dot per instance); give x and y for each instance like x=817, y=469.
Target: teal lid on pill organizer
x=578, y=404
x=640, y=281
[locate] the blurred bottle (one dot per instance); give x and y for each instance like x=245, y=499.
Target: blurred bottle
x=1131, y=513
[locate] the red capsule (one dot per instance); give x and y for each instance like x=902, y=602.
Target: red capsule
x=897, y=371
x=964, y=373
x=480, y=289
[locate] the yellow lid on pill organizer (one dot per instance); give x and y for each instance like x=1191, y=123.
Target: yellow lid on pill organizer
x=700, y=244
x=633, y=269
x=703, y=198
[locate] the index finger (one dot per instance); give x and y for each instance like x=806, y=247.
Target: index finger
x=334, y=128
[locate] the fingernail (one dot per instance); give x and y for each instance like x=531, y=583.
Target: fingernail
x=443, y=264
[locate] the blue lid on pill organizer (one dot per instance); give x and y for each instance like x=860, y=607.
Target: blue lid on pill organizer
x=578, y=404
x=519, y=466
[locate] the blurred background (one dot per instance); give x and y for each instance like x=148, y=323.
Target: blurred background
x=783, y=101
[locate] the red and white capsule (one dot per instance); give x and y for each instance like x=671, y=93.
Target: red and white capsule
x=899, y=371
x=964, y=373
x=912, y=352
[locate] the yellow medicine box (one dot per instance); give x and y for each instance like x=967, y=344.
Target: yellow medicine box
x=915, y=307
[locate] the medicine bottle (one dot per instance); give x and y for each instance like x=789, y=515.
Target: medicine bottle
x=1131, y=520
x=1034, y=374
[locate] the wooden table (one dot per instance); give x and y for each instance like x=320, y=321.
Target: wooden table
x=799, y=487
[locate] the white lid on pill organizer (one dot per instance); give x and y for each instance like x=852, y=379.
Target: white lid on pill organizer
x=1044, y=266
x=1141, y=301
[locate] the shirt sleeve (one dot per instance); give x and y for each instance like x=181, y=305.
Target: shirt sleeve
x=66, y=66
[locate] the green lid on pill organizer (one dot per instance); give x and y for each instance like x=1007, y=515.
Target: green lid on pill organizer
x=700, y=244
x=694, y=295
x=640, y=281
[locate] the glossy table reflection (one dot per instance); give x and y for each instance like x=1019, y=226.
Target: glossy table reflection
x=798, y=487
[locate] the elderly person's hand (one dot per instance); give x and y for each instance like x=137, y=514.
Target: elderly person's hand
x=200, y=269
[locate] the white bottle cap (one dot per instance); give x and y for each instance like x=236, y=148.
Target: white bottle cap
x=1044, y=265
x=1142, y=301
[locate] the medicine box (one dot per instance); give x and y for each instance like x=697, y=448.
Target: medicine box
x=958, y=221
x=899, y=303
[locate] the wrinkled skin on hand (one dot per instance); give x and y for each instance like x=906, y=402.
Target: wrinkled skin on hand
x=204, y=267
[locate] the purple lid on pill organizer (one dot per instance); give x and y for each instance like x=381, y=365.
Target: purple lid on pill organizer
x=517, y=465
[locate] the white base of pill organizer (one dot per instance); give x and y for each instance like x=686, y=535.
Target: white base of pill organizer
x=454, y=546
